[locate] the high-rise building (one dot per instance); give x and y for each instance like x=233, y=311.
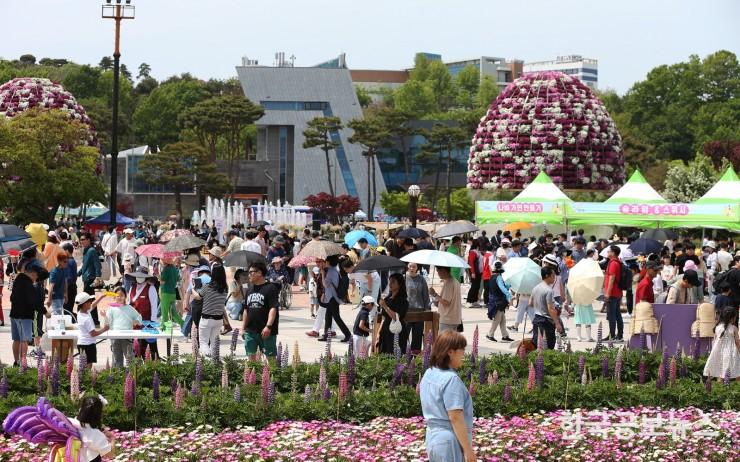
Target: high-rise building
x=585, y=69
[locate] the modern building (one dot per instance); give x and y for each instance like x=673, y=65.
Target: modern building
x=291, y=97
x=585, y=69
x=378, y=82
x=501, y=70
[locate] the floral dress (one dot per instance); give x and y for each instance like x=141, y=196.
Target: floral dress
x=724, y=355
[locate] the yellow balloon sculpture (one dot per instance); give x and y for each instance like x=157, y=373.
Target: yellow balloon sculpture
x=38, y=233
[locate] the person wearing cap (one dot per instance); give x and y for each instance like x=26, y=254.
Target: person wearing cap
x=193, y=307
x=234, y=242
x=364, y=248
x=361, y=329
x=682, y=291
x=277, y=273
x=417, y=292
x=645, y=291
x=215, y=255
x=127, y=245
x=498, y=301
x=86, y=331
x=23, y=302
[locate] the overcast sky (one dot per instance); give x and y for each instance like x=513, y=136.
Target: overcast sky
x=209, y=37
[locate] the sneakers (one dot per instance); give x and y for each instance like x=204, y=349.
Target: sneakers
x=514, y=328
x=491, y=338
x=507, y=339
x=312, y=333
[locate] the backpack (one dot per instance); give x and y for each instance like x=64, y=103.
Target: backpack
x=625, y=277
x=343, y=287
x=719, y=278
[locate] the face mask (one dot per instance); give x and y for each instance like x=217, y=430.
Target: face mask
x=205, y=279
x=245, y=286
x=140, y=280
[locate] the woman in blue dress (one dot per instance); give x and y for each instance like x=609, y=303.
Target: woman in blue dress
x=446, y=403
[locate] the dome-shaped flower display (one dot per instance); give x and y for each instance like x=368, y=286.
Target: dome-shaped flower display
x=551, y=122
x=24, y=93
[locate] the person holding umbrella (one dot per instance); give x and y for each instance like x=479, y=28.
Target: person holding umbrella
x=449, y=302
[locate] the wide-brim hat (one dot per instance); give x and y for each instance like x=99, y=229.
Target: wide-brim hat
x=216, y=251
x=192, y=260
x=277, y=260
x=550, y=259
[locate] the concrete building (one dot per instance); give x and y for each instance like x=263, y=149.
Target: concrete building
x=501, y=70
x=377, y=82
x=586, y=69
x=292, y=96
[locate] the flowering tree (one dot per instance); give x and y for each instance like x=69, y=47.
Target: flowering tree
x=688, y=182
x=333, y=207
x=546, y=121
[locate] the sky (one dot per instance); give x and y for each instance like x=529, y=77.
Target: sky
x=208, y=37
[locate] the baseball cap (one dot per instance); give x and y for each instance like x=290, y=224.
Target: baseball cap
x=82, y=298
x=691, y=277
x=128, y=231
x=368, y=299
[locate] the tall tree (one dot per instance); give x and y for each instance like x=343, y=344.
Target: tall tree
x=398, y=123
x=106, y=63
x=144, y=71
x=373, y=134
x=46, y=163
x=416, y=98
x=445, y=140
x=487, y=92
x=318, y=135
x=27, y=60
x=183, y=166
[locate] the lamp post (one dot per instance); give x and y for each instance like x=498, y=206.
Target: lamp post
x=118, y=11
x=414, y=192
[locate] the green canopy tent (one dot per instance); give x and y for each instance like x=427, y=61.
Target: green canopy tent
x=722, y=200
x=541, y=202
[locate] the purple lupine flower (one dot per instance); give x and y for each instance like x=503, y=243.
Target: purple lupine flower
x=39, y=375
x=642, y=371
x=265, y=382
x=173, y=386
x=581, y=364
x=198, y=369
x=605, y=367
x=155, y=386
x=47, y=367
x=307, y=394
x=411, y=373
x=4, y=385
x=409, y=354
x=279, y=355
x=285, y=358
x=245, y=374
x=708, y=385
x=82, y=360
x=326, y=395
x=74, y=385
x=180, y=396
x=343, y=386
x=397, y=374
x=666, y=363
x=697, y=346
x=24, y=365
x=351, y=365
x=175, y=353
x=195, y=388
x=539, y=369
x=55, y=379
x=216, y=351
x=129, y=391
x=474, y=348
x=507, y=393
x=322, y=377
x=482, y=370
x=237, y=393
x=271, y=394
x=678, y=352
x=726, y=378
x=147, y=355
x=427, y=353
x=234, y=340
x=673, y=371
x=469, y=375
x=643, y=339
x=618, y=365
x=252, y=377
x=396, y=347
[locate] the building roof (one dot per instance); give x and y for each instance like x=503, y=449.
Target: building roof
x=373, y=75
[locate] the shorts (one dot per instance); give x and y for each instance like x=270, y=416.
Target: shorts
x=314, y=300
x=91, y=351
x=254, y=340
x=21, y=330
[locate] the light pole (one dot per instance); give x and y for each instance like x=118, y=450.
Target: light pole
x=414, y=192
x=274, y=186
x=118, y=12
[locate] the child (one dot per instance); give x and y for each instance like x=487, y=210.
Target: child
x=122, y=317
x=57, y=296
x=724, y=298
x=361, y=329
x=313, y=293
x=86, y=326
x=724, y=359
x=94, y=442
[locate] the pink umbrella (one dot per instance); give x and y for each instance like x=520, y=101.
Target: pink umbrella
x=300, y=260
x=155, y=251
x=173, y=233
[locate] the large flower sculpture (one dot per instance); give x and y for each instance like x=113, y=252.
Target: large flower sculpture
x=546, y=121
x=24, y=93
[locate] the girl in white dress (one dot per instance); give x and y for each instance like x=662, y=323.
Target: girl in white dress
x=725, y=356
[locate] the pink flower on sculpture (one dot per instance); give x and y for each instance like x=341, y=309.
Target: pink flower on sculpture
x=546, y=121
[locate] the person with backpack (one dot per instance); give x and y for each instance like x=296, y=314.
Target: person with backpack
x=614, y=280
x=336, y=289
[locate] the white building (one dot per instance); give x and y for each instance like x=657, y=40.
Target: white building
x=501, y=70
x=585, y=69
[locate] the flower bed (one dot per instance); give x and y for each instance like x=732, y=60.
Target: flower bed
x=551, y=122
x=535, y=437
x=227, y=393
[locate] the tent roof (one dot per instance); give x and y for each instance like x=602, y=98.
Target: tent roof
x=104, y=219
x=726, y=191
x=637, y=189
x=542, y=189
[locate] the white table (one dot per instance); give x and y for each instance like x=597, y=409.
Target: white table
x=113, y=334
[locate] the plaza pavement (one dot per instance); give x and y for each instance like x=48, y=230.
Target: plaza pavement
x=296, y=321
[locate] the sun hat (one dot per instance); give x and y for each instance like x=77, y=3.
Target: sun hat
x=128, y=231
x=192, y=260
x=316, y=270
x=216, y=251
x=82, y=298
x=276, y=260
x=550, y=259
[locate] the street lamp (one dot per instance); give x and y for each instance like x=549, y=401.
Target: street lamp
x=414, y=192
x=117, y=11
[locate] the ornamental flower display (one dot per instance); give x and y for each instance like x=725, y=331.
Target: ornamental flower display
x=23, y=93
x=551, y=122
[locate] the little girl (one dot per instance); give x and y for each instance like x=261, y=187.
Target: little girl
x=94, y=442
x=313, y=293
x=725, y=355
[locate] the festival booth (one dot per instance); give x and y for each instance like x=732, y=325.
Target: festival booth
x=102, y=221
x=677, y=327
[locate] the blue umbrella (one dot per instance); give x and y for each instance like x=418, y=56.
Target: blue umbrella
x=352, y=237
x=646, y=246
x=522, y=274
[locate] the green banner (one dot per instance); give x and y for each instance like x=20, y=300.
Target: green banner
x=507, y=211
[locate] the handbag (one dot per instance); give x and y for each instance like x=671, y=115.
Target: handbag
x=460, y=327
x=395, y=327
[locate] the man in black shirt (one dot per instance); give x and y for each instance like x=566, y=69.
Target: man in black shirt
x=261, y=317
x=23, y=302
x=733, y=280
x=687, y=255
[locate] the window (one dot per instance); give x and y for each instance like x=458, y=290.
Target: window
x=314, y=106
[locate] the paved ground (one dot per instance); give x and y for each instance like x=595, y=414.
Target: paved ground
x=296, y=321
